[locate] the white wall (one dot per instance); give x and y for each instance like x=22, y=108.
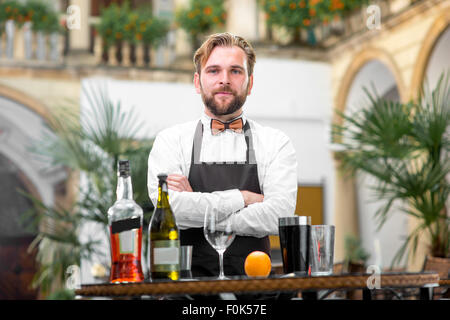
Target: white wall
x=295, y=97
x=159, y=104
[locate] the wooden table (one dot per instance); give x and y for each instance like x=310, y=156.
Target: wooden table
x=309, y=286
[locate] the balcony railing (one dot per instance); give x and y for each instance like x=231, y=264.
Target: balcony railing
x=123, y=54
x=328, y=34
x=23, y=44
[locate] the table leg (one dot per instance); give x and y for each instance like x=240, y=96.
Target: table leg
x=367, y=294
x=426, y=293
x=309, y=295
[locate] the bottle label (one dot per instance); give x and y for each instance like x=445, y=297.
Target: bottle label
x=127, y=241
x=166, y=255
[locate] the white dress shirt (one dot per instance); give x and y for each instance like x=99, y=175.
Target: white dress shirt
x=277, y=174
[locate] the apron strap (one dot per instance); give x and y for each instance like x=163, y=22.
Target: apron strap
x=197, y=145
x=251, y=159
x=198, y=138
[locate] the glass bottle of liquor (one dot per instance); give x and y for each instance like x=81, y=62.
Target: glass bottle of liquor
x=164, y=238
x=125, y=225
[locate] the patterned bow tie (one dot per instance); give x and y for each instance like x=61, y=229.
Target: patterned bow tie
x=218, y=126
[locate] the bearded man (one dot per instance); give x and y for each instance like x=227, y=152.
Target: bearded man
x=225, y=161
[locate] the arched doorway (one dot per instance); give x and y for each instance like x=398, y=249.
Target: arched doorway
x=17, y=265
x=382, y=245
x=21, y=122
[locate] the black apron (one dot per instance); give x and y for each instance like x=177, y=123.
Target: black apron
x=210, y=177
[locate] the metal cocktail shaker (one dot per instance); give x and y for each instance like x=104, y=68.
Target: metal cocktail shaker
x=294, y=235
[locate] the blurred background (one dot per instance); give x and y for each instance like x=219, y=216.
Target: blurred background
x=73, y=66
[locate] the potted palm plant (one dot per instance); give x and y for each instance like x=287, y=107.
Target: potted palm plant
x=405, y=146
x=355, y=255
x=88, y=146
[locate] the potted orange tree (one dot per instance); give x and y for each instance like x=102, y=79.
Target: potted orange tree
x=295, y=16
x=121, y=24
x=44, y=21
x=200, y=18
x=111, y=28
x=151, y=31
x=11, y=18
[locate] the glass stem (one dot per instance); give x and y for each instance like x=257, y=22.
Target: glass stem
x=221, y=275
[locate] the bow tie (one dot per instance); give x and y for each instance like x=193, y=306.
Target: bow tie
x=218, y=126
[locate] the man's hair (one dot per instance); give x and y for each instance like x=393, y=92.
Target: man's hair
x=223, y=40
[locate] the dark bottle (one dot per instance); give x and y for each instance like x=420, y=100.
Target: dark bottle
x=125, y=225
x=164, y=238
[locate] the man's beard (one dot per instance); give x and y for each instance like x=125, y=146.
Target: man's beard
x=234, y=105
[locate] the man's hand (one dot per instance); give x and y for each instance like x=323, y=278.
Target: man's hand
x=178, y=182
x=251, y=197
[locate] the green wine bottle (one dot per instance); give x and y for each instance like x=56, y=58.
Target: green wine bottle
x=164, y=238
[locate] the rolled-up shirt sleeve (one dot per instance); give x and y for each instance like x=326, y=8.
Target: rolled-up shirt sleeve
x=189, y=208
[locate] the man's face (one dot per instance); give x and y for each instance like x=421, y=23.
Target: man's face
x=224, y=82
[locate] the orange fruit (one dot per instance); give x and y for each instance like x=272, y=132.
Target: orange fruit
x=257, y=264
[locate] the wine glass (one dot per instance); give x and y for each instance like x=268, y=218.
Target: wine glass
x=218, y=233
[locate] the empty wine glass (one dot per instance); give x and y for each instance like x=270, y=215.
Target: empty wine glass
x=218, y=233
